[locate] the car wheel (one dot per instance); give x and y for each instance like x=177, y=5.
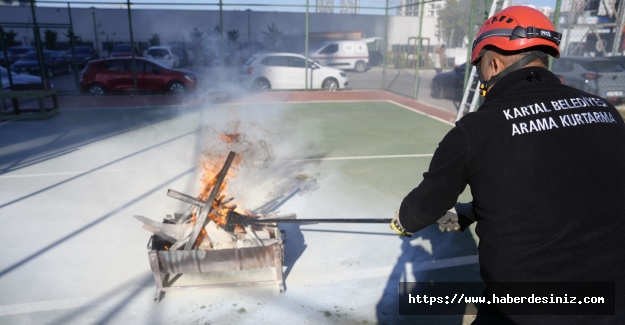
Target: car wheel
x=436, y=91
x=360, y=66
x=96, y=90
x=330, y=84
x=176, y=87
x=261, y=84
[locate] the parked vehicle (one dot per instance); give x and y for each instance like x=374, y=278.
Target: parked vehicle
x=20, y=81
x=116, y=75
x=342, y=54
x=449, y=85
x=601, y=76
x=163, y=55
x=17, y=52
x=288, y=71
x=82, y=55
x=182, y=54
x=620, y=59
x=55, y=62
x=124, y=50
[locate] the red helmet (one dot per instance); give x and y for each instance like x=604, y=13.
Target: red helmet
x=516, y=28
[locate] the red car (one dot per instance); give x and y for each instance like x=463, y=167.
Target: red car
x=116, y=75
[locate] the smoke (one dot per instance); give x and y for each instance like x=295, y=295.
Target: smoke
x=262, y=177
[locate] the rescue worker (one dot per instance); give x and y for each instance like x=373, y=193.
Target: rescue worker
x=439, y=59
x=546, y=167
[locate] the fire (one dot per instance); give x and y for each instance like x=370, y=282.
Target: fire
x=211, y=164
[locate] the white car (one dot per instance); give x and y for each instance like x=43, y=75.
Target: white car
x=288, y=71
x=163, y=55
x=20, y=81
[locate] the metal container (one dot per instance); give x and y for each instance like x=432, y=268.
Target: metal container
x=165, y=262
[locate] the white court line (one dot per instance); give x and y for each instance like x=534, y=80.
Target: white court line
x=121, y=170
x=359, y=157
x=78, y=172
x=422, y=113
x=46, y=305
x=349, y=101
x=310, y=278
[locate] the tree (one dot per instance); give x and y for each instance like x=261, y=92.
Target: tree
x=50, y=39
x=155, y=40
x=71, y=36
x=9, y=38
x=454, y=21
x=273, y=37
x=233, y=35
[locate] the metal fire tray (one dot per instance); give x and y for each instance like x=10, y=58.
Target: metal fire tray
x=236, y=260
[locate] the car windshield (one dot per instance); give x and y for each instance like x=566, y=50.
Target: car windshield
x=250, y=60
x=319, y=47
x=122, y=48
x=30, y=55
x=19, y=51
x=82, y=50
x=158, y=52
x=606, y=66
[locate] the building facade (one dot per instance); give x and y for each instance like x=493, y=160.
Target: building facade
x=324, y=6
x=350, y=6
x=411, y=7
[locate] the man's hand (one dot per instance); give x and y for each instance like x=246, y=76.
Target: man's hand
x=395, y=225
x=449, y=221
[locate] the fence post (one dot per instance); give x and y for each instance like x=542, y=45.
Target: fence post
x=415, y=93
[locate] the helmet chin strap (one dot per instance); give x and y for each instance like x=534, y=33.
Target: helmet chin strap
x=484, y=85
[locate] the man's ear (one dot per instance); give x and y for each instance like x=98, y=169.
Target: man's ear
x=497, y=64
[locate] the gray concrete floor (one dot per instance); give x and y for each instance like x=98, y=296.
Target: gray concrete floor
x=72, y=253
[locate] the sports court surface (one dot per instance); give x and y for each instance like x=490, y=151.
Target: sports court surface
x=72, y=252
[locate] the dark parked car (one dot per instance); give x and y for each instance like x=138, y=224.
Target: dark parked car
x=116, y=75
x=620, y=59
x=17, y=52
x=601, y=76
x=123, y=50
x=82, y=55
x=21, y=81
x=449, y=85
x=55, y=63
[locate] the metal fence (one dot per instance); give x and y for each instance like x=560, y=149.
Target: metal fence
x=405, y=36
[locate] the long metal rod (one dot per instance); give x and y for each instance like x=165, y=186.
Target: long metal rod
x=310, y=221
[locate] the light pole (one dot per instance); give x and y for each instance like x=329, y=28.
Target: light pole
x=95, y=31
x=249, y=29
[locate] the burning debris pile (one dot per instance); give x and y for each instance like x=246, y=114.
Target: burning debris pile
x=212, y=221
x=213, y=235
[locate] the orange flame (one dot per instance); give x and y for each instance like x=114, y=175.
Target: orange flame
x=211, y=165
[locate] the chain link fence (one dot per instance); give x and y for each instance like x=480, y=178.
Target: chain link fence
x=408, y=42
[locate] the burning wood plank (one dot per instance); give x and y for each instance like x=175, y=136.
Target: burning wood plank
x=169, y=232
x=186, y=198
x=203, y=214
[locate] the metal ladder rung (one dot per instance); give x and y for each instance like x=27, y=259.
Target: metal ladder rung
x=471, y=90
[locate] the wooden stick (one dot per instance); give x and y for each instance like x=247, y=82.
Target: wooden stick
x=203, y=214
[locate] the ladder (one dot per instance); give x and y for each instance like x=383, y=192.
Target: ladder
x=473, y=85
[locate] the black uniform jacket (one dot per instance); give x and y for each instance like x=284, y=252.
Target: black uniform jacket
x=546, y=167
